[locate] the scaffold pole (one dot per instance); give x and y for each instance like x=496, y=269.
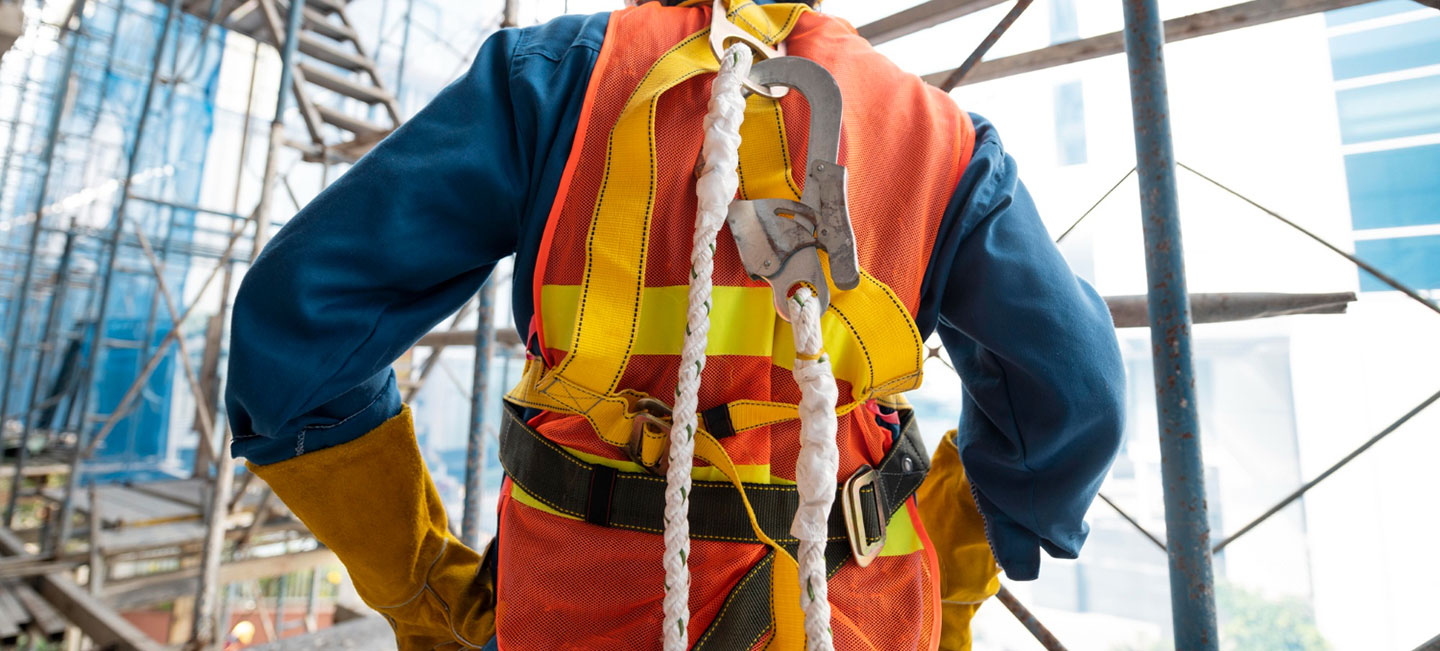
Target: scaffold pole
x=479, y=400
x=112, y=246
x=1182, y=469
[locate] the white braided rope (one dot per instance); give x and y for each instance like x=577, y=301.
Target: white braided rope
x=818, y=464
x=715, y=189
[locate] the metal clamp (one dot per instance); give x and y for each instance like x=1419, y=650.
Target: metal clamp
x=780, y=239
x=851, y=500
x=650, y=413
x=723, y=32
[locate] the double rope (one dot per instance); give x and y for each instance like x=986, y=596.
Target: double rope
x=818, y=462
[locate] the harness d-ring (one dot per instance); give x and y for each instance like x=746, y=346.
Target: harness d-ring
x=779, y=239
x=723, y=33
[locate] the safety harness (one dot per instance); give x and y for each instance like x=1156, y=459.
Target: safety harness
x=779, y=240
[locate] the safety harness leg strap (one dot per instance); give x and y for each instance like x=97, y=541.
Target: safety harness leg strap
x=745, y=617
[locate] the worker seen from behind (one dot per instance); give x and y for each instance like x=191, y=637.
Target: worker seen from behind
x=734, y=225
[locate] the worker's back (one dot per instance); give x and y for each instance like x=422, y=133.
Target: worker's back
x=610, y=299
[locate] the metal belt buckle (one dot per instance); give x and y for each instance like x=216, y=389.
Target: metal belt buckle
x=650, y=413
x=851, y=498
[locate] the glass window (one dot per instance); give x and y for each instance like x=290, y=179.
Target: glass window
x=1414, y=261
x=1396, y=187
x=1371, y=10
x=1070, y=123
x=1391, y=110
x=1386, y=49
x=1064, y=25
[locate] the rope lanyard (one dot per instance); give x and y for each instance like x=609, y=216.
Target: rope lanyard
x=818, y=461
x=719, y=180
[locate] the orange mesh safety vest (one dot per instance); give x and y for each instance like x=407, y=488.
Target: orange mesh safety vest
x=610, y=300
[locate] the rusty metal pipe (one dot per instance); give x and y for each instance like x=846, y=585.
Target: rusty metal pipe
x=1131, y=311
x=1029, y=621
x=1182, y=468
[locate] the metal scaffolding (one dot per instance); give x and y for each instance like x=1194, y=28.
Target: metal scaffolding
x=99, y=190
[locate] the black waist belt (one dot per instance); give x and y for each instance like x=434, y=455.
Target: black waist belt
x=628, y=500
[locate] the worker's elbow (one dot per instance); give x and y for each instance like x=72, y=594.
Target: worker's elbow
x=1107, y=399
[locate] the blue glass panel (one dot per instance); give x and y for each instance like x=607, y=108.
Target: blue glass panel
x=1414, y=261
x=1392, y=110
x=1397, y=187
x=1064, y=25
x=1070, y=123
x=1371, y=10
x=1386, y=49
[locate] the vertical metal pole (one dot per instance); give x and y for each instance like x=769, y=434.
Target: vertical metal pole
x=112, y=245
x=203, y=461
x=281, y=585
x=92, y=152
x=312, y=623
x=19, y=303
x=20, y=103
x=147, y=337
x=479, y=399
x=404, y=53
x=512, y=14
x=204, y=634
x=277, y=125
x=380, y=50
x=97, y=555
x=47, y=340
x=1187, y=526
x=227, y=612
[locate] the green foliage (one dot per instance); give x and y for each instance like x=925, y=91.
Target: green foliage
x=1251, y=622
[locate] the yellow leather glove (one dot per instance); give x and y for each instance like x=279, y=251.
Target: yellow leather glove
x=372, y=502
x=968, y=572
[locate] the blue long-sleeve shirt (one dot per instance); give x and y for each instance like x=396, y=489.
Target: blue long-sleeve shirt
x=414, y=228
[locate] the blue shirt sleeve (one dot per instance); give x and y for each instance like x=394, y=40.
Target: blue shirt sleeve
x=1042, y=412
x=402, y=240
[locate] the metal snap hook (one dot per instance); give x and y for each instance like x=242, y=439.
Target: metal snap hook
x=780, y=239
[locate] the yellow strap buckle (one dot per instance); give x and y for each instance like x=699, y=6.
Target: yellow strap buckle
x=852, y=500
x=649, y=443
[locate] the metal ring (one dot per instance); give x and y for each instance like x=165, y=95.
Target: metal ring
x=722, y=32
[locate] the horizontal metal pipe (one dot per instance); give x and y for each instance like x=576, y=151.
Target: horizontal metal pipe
x=1130, y=311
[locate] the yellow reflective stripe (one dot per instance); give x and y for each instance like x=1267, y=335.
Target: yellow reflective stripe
x=900, y=536
x=742, y=321
x=860, y=334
